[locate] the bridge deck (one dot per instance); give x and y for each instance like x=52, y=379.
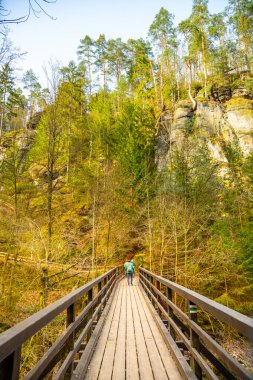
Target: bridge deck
x=130, y=345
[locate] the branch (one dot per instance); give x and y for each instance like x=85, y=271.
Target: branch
x=43, y=10
x=70, y=276
x=31, y=9
x=62, y=271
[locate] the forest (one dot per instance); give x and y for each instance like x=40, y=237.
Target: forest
x=81, y=190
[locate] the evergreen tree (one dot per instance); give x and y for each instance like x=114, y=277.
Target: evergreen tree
x=163, y=35
x=7, y=89
x=102, y=60
x=196, y=34
x=85, y=55
x=34, y=97
x=241, y=13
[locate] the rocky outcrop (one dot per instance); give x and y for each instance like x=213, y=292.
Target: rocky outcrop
x=214, y=123
x=22, y=139
x=163, y=140
x=239, y=112
x=241, y=92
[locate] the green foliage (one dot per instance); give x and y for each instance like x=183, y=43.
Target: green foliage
x=85, y=190
x=161, y=30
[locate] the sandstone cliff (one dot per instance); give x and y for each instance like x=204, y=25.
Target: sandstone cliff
x=214, y=124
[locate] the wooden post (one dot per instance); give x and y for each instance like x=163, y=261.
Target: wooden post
x=90, y=298
x=158, y=286
x=194, y=338
x=9, y=367
x=71, y=340
x=113, y=274
x=147, y=283
x=143, y=276
x=171, y=313
x=151, y=289
x=109, y=284
x=99, y=301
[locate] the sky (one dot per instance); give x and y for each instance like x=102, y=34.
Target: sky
x=47, y=40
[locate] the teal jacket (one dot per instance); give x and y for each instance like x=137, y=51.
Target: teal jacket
x=129, y=267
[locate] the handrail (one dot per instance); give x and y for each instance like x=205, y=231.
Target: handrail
x=11, y=340
x=186, y=330
x=232, y=318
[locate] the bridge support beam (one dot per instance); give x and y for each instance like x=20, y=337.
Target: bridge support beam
x=171, y=313
x=90, y=298
x=194, y=338
x=9, y=368
x=71, y=341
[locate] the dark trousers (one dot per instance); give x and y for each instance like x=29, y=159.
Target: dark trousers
x=129, y=277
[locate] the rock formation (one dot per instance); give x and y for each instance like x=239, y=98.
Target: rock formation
x=216, y=124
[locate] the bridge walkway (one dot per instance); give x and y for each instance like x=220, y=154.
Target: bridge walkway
x=112, y=331
x=130, y=345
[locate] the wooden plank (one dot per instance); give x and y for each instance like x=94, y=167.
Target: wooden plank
x=183, y=367
x=131, y=356
x=168, y=362
x=84, y=360
x=120, y=351
x=150, y=337
x=130, y=346
x=94, y=367
x=195, y=354
x=142, y=352
x=108, y=358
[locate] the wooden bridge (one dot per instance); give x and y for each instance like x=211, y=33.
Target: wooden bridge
x=155, y=329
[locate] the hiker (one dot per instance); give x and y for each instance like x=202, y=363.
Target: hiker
x=129, y=268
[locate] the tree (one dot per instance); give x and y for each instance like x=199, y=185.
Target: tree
x=139, y=72
x=195, y=31
x=117, y=58
x=6, y=88
x=161, y=31
x=71, y=102
x=220, y=48
x=50, y=147
x=163, y=35
x=241, y=13
x=101, y=53
x=85, y=54
x=6, y=46
x=32, y=85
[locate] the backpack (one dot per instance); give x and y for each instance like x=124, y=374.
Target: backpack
x=129, y=268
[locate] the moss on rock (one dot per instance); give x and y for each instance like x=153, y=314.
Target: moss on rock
x=238, y=103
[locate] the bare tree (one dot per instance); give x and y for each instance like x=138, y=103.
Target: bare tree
x=33, y=6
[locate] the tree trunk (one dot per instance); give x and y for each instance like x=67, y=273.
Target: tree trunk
x=155, y=87
x=149, y=235
x=204, y=64
x=2, y=113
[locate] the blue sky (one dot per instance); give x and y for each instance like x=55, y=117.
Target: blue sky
x=44, y=39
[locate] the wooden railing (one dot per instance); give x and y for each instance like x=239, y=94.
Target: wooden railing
x=183, y=329
x=62, y=353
